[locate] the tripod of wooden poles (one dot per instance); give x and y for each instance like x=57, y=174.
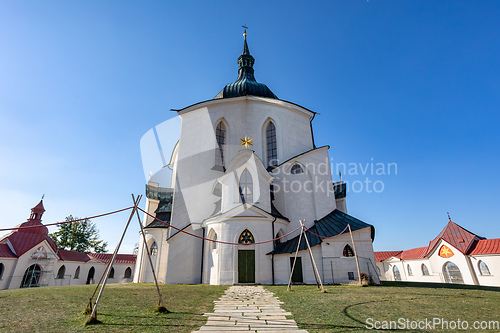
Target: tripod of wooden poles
x=313, y=262
x=93, y=309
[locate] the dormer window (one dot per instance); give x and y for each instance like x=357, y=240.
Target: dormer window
x=246, y=187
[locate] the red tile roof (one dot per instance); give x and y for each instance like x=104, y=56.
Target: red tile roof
x=383, y=255
x=5, y=252
x=416, y=253
x=73, y=256
x=456, y=236
x=486, y=246
x=25, y=241
x=120, y=258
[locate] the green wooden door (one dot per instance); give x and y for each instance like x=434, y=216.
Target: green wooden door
x=297, y=271
x=246, y=266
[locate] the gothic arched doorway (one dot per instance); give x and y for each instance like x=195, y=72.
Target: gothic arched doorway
x=246, y=258
x=90, y=276
x=31, y=277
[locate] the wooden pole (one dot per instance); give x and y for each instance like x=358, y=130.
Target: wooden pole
x=315, y=268
x=355, y=253
x=295, y=260
x=93, y=316
x=160, y=301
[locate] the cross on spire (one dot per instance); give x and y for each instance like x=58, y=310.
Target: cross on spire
x=244, y=26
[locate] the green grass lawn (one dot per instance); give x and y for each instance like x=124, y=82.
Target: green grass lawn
x=130, y=307
x=346, y=308
x=123, y=308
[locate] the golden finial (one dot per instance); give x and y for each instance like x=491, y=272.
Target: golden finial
x=246, y=141
x=245, y=27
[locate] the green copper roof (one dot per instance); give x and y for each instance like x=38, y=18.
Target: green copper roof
x=329, y=226
x=245, y=84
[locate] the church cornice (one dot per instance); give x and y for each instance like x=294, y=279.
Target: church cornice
x=211, y=102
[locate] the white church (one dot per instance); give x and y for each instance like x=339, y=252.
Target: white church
x=245, y=170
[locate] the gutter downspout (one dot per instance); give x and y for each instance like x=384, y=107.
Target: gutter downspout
x=312, y=135
x=202, y=255
x=274, y=247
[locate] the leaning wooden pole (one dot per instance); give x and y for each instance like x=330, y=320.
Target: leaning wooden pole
x=313, y=262
x=295, y=260
x=355, y=253
x=93, y=316
x=161, y=307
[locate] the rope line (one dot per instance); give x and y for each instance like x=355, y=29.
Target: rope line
x=213, y=240
x=57, y=223
x=327, y=237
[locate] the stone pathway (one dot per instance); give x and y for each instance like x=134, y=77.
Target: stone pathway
x=249, y=309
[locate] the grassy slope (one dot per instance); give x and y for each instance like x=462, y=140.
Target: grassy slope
x=123, y=308
x=346, y=308
x=129, y=307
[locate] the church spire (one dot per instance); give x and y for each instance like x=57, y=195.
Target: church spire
x=245, y=60
x=245, y=84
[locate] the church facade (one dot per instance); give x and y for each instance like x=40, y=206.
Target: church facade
x=244, y=171
x=30, y=258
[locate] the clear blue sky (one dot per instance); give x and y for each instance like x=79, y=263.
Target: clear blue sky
x=409, y=82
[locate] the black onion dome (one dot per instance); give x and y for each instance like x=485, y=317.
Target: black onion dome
x=245, y=85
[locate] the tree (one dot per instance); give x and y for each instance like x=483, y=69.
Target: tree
x=80, y=236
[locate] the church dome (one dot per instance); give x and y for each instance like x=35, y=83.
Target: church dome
x=245, y=84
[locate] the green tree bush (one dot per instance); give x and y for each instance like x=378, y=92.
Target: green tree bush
x=80, y=236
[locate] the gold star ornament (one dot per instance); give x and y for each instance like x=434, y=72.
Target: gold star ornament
x=246, y=141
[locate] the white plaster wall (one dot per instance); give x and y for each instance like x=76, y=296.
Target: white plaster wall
x=9, y=266
x=306, y=196
x=493, y=263
x=184, y=258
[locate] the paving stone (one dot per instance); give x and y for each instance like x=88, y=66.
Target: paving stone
x=249, y=309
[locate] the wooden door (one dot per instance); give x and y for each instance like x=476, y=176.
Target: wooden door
x=246, y=266
x=297, y=272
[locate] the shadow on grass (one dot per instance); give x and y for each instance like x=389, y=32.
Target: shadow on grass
x=436, y=285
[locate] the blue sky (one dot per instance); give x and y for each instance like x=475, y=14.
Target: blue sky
x=408, y=82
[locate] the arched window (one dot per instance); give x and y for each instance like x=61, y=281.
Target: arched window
x=272, y=149
x=410, y=272
x=296, y=169
x=128, y=273
x=452, y=273
x=483, y=268
x=348, y=252
x=77, y=273
x=397, y=275
x=277, y=237
x=246, y=237
x=220, y=136
x=31, y=277
x=154, y=249
x=2, y=268
x=112, y=273
x=246, y=187
x=61, y=272
x=213, y=236
x=425, y=271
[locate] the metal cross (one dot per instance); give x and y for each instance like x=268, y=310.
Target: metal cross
x=244, y=26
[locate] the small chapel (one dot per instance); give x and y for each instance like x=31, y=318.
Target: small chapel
x=244, y=171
